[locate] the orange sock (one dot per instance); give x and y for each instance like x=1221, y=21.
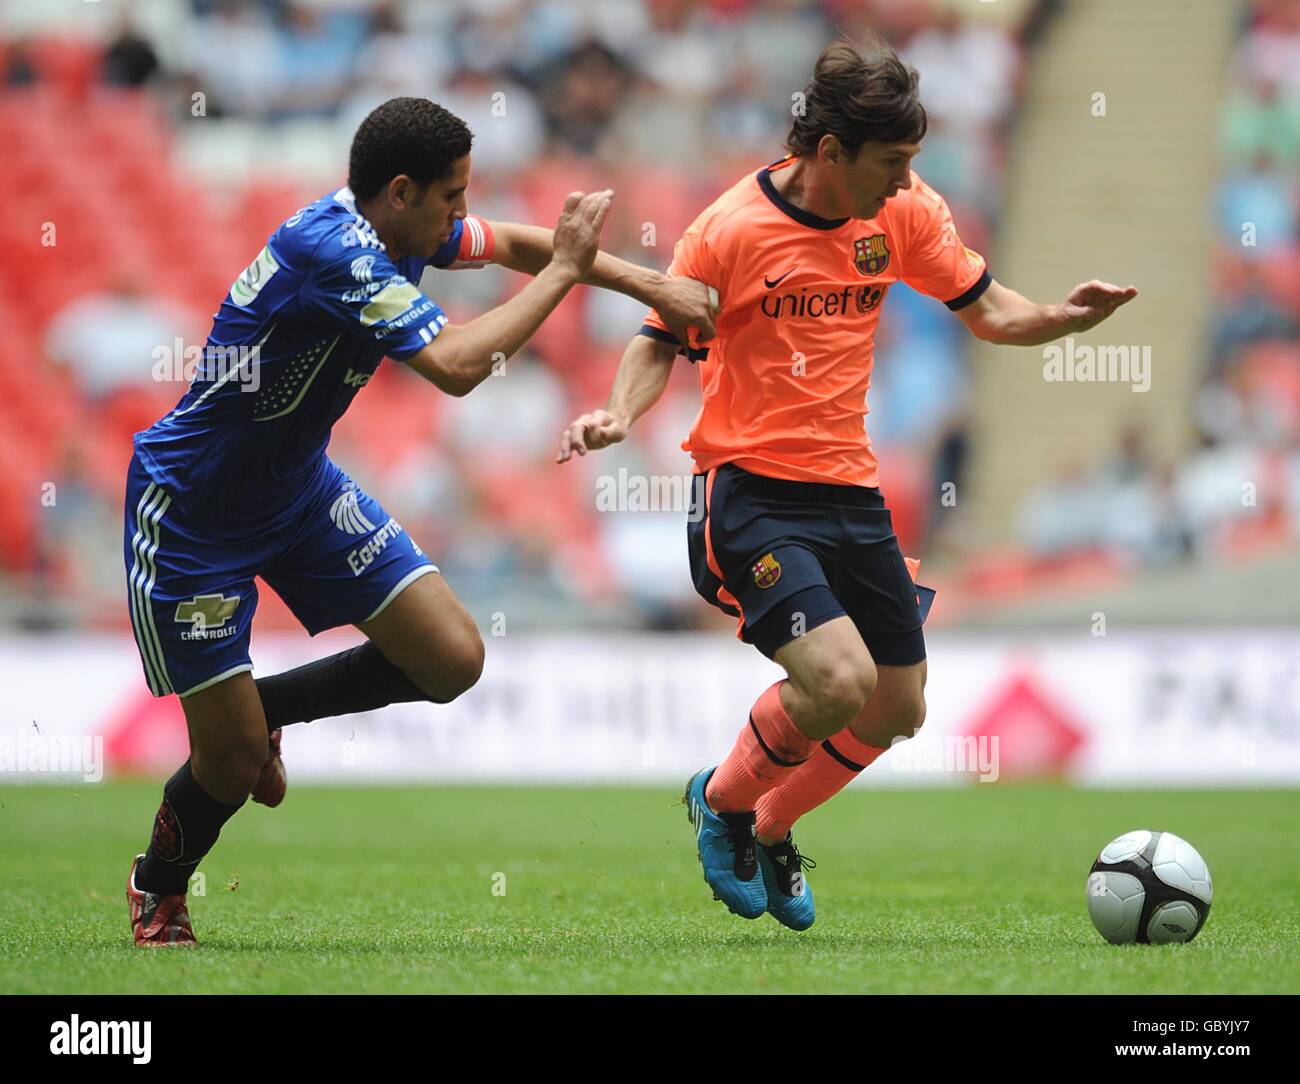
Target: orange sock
x=827, y=772
x=768, y=749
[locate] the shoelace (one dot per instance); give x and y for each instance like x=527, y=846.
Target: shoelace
x=742, y=839
x=802, y=861
x=740, y=833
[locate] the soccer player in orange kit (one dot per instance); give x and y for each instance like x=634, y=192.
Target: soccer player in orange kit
x=794, y=537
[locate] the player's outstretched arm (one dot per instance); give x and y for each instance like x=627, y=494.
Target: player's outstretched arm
x=462, y=356
x=681, y=302
x=642, y=376
x=1000, y=315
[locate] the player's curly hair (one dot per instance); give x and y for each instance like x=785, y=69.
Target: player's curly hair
x=858, y=94
x=405, y=135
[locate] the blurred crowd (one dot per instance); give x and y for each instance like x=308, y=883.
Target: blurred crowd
x=205, y=124
x=1136, y=508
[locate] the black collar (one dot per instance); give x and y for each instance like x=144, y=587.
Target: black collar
x=804, y=218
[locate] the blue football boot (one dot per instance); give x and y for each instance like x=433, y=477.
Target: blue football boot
x=728, y=851
x=789, y=896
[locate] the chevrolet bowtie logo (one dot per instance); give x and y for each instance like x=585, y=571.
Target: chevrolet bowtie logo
x=207, y=611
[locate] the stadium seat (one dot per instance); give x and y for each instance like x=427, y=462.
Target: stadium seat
x=70, y=65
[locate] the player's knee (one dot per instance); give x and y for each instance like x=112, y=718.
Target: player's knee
x=842, y=690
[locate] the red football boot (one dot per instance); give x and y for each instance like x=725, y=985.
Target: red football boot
x=157, y=921
x=274, y=781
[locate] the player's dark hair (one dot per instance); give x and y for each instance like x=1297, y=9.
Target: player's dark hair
x=405, y=135
x=858, y=94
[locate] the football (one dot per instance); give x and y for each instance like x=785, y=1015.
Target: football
x=1149, y=888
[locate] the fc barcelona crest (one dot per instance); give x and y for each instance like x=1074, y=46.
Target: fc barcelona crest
x=767, y=570
x=871, y=254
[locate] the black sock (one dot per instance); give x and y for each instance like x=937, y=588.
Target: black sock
x=185, y=829
x=359, y=679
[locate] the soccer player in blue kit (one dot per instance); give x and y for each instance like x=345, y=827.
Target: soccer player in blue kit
x=234, y=482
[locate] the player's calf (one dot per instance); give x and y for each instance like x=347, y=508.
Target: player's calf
x=229, y=768
x=431, y=638
x=423, y=646
x=359, y=679
x=451, y=669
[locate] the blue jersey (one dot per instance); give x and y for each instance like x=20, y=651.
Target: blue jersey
x=302, y=329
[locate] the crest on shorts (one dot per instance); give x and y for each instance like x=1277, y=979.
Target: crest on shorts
x=346, y=512
x=767, y=570
x=871, y=254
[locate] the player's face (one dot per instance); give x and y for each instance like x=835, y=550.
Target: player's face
x=878, y=172
x=433, y=213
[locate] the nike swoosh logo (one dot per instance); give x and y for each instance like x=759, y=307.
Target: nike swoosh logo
x=772, y=284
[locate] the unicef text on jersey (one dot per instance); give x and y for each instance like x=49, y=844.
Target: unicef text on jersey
x=240, y=364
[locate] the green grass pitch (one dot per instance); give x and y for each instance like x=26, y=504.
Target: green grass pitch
x=977, y=889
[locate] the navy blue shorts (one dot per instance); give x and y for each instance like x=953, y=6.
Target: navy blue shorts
x=192, y=594
x=785, y=557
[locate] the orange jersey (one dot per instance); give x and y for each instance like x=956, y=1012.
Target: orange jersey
x=785, y=381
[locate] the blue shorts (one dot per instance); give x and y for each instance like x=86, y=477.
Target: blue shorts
x=787, y=556
x=341, y=561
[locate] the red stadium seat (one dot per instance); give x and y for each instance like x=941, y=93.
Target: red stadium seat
x=265, y=204
x=389, y=417
x=71, y=65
